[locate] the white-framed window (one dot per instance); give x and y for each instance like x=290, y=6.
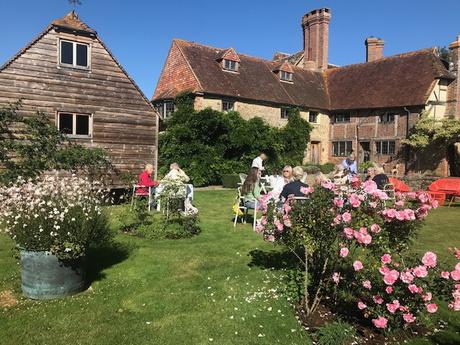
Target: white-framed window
x=75, y=124
x=313, y=116
x=387, y=117
x=343, y=117
x=230, y=65
x=74, y=54
x=228, y=105
x=285, y=112
x=165, y=108
x=286, y=76
x=385, y=147
x=341, y=148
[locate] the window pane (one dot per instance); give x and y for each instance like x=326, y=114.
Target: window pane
x=391, y=147
x=169, y=108
x=82, y=125
x=349, y=147
x=66, y=123
x=313, y=116
x=378, y=147
x=384, y=147
x=82, y=55
x=66, y=52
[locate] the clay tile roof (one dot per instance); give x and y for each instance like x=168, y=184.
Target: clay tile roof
x=72, y=21
x=283, y=66
x=399, y=80
x=255, y=79
x=229, y=54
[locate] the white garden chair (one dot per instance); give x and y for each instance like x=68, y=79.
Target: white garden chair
x=141, y=194
x=245, y=210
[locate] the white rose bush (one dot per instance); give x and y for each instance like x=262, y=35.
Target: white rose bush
x=58, y=214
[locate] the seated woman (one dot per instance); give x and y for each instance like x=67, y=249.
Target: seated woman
x=176, y=174
x=251, y=188
x=145, y=181
x=377, y=174
x=293, y=187
x=278, y=182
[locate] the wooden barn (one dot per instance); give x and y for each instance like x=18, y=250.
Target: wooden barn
x=68, y=73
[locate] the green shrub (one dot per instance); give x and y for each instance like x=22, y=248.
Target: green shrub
x=311, y=169
x=225, y=143
x=230, y=180
x=363, y=166
x=335, y=333
x=327, y=168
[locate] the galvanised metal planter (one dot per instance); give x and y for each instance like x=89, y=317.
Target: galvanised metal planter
x=44, y=276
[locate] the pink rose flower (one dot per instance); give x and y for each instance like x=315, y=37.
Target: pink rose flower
x=279, y=225
x=354, y=200
x=455, y=275
x=420, y=271
x=358, y=265
x=270, y=238
x=413, y=288
x=391, y=277
x=409, y=317
x=336, y=277
x=427, y=297
x=307, y=190
x=429, y=259
x=393, y=307
x=367, y=284
x=386, y=258
x=457, y=253
x=338, y=202
x=445, y=275
x=432, y=308
x=375, y=228
x=380, y=322
x=406, y=277
x=348, y=233
x=346, y=217
x=344, y=252
x=388, y=289
x=384, y=270
x=361, y=305
x=377, y=299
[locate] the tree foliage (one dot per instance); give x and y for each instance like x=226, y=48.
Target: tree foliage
x=32, y=145
x=428, y=131
x=209, y=143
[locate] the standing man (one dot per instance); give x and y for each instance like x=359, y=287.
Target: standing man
x=349, y=165
x=258, y=161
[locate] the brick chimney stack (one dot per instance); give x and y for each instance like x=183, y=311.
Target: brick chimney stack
x=453, y=92
x=374, y=48
x=315, y=25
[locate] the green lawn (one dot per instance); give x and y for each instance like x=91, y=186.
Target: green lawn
x=202, y=290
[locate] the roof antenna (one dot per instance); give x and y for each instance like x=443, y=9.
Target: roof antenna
x=75, y=3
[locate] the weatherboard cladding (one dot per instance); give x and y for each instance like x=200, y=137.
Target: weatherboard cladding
x=400, y=80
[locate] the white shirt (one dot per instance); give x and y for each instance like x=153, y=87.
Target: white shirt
x=258, y=163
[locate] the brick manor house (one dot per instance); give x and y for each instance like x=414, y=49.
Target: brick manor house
x=367, y=108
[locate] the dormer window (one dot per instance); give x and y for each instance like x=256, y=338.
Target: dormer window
x=73, y=54
x=230, y=65
x=285, y=76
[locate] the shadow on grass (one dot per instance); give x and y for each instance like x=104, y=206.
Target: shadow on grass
x=273, y=259
x=101, y=258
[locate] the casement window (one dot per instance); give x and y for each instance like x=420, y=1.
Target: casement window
x=228, y=106
x=230, y=65
x=387, y=118
x=165, y=108
x=74, y=54
x=285, y=76
x=285, y=112
x=74, y=124
x=341, y=148
x=385, y=147
x=313, y=116
x=344, y=117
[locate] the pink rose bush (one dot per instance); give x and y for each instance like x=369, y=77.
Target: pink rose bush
x=361, y=238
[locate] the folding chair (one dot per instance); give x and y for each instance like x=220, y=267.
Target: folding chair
x=389, y=189
x=141, y=194
x=242, y=178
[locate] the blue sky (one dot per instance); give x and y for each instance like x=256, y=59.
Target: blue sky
x=139, y=32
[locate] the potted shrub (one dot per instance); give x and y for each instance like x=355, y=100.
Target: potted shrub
x=53, y=221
